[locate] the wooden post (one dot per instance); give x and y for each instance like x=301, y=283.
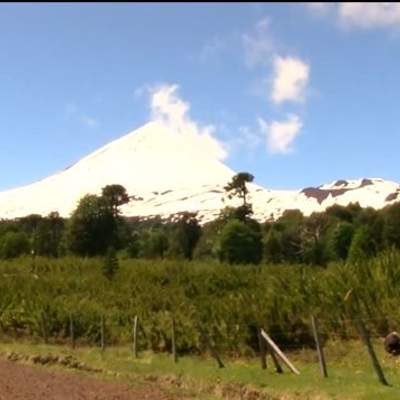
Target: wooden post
x=134, y=335
x=279, y=353
x=102, y=338
x=320, y=350
x=71, y=331
x=278, y=367
x=262, y=349
x=44, y=327
x=366, y=339
x=173, y=341
x=213, y=351
x=354, y=309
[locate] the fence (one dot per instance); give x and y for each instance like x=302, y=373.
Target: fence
x=267, y=342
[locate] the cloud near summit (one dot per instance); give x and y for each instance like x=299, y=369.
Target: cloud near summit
x=168, y=108
x=281, y=134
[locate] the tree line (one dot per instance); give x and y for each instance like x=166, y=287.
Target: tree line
x=97, y=228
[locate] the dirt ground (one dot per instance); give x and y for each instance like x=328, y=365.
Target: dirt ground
x=25, y=382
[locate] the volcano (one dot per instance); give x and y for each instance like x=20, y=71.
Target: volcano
x=167, y=173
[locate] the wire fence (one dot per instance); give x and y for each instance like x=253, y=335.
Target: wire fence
x=142, y=335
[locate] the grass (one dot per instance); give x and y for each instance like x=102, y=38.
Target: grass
x=350, y=372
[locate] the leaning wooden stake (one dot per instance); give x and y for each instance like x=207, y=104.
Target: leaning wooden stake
x=354, y=309
x=320, y=350
x=175, y=357
x=102, y=339
x=263, y=349
x=213, y=351
x=134, y=336
x=279, y=353
x=278, y=367
x=71, y=331
x=367, y=341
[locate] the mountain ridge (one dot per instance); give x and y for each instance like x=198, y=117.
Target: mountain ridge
x=170, y=174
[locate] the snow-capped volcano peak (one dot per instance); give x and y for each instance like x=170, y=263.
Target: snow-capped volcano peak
x=175, y=171
x=151, y=158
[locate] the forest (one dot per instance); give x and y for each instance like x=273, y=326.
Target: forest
x=97, y=228
x=223, y=280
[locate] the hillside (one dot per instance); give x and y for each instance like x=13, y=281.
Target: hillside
x=166, y=173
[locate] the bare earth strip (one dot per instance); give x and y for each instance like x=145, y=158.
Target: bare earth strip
x=23, y=382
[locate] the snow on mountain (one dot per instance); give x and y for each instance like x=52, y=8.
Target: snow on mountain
x=150, y=159
x=166, y=173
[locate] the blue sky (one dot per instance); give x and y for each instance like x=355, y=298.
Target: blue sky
x=296, y=94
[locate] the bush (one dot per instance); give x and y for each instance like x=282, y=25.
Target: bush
x=226, y=301
x=240, y=243
x=110, y=265
x=362, y=246
x=14, y=244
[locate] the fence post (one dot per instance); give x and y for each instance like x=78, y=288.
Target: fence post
x=44, y=327
x=102, y=338
x=367, y=341
x=320, y=351
x=278, y=367
x=71, y=331
x=354, y=308
x=262, y=349
x=134, y=335
x=212, y=349
x=174, y=355
x=279, y=353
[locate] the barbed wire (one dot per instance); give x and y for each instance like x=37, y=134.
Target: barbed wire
x=296, y=334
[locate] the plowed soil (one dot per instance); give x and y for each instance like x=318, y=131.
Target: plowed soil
x=24, y=382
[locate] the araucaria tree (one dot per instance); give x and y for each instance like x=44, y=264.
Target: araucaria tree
x=115, y=196
x=237, y=187
x=240, y=240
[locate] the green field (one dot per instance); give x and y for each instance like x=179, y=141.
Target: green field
x=350, y=373
x=38, y=298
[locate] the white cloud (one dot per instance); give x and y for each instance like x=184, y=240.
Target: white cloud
x=258, y=45
x=281, y=134
x=290, y=79
x=173, y=112
x=369, y=15
x=287, y=77
x=365, y=15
